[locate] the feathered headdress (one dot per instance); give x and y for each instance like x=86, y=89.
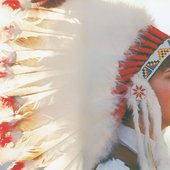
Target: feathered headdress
x=119, y=64
x=65, y=78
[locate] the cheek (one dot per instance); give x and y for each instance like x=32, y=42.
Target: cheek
x=162, y=90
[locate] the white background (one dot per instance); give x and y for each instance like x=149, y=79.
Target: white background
x=159, y=9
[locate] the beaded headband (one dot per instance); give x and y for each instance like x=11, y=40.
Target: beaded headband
x=155, y=60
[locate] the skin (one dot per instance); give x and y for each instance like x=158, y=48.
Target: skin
x=160, y=83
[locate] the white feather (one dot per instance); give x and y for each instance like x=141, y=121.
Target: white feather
x=89, y=37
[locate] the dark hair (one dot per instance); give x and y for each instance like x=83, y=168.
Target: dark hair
x=50, y=3
x=165, y=64
x=127, y=116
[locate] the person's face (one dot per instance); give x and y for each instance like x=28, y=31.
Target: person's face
x=160, y=83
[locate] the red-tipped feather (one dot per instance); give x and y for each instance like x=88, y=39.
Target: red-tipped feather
x=141, y=49
x=147, y=43
x=3, y=74
x=128, y=71
x=8, y=102
x=119, y=113
x=157, y=32
x=125, y=78
x=5, y=127
x=150, y=37
x=18, y=166
x=14, y=4
x=136, y=57
x=4, y=140
x=121, y=89
x=130, y=64
x=5, y=136
x=123, y=101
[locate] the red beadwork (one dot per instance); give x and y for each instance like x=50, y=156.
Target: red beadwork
x=138, y=92
x=14, y=4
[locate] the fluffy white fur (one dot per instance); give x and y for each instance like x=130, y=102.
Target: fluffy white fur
x=107, y=30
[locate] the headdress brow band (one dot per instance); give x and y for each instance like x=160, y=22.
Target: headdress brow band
x=155, y=60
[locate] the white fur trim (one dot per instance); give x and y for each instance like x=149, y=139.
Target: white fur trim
x=108, y=30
